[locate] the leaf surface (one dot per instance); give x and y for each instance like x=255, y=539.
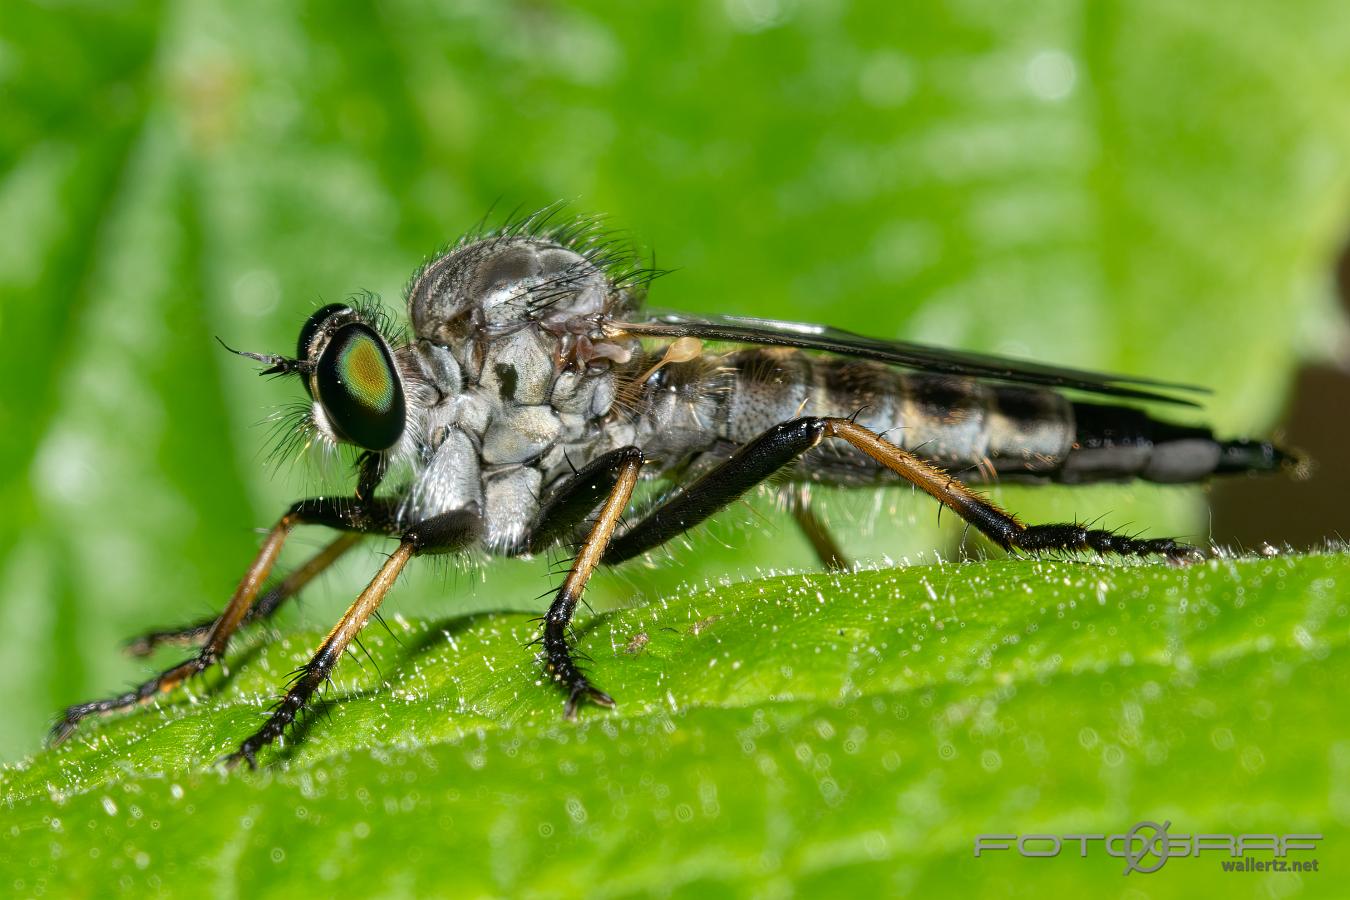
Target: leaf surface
x=828, y=731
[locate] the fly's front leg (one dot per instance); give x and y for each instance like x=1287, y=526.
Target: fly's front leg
x=440, y=534
x=619, y=471
x=336, y=513
x=266, y=605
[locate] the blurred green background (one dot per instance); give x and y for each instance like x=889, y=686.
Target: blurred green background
x=1156, y=188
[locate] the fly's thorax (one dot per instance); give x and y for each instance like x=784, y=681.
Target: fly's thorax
x=511, y=419
x=497, y=283
x=508, y=329
x=537, y=405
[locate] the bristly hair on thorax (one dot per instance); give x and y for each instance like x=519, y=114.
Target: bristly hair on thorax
x=610, y=250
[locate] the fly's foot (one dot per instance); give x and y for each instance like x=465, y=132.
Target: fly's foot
x=242, y=755
x=161, y=684
x=70, y=719
x=560, y=665
x=1184, y=555
x=285, y=711
x=578, y=686
x=188, y=635
x=72, y=716
x=581, y=691
x=1077, y=538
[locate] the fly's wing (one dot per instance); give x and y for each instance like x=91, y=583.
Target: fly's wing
x=747, y=330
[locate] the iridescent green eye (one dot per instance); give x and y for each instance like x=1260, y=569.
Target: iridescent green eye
x=360, y=389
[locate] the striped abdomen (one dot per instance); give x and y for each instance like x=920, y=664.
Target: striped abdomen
x=976, y=430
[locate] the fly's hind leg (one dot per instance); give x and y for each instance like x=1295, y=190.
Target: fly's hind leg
x=782, y=444
x=264, y=607
x=999, y=526
x=346, y=514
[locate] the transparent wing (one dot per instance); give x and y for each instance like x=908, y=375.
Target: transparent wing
x=747, y=330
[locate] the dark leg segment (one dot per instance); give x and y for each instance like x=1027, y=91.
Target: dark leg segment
x=577, y=498
x=336, y=513
x=265, y=606
x=441, y=534
x=747, y=467
x=557, y=655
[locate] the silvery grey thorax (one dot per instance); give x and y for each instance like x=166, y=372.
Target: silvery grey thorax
x=504, y=335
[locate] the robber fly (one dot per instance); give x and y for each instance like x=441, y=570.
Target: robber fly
x=533, y=391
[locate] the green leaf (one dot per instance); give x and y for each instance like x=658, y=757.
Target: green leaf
x=836, y=733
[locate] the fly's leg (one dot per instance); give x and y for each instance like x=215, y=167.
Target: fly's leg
x=813, y=528
x=440, y=534
x=748, y=466
x=264, y=607
x=782, y=444
x=1000, y=527
x=345, y=514
x=316, y=671
x=618, y=473
x=577, y=498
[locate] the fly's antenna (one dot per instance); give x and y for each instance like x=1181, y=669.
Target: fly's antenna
x=276, y=365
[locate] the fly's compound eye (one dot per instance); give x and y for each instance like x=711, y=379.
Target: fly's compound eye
x=359, y=388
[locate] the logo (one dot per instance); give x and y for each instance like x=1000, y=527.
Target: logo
x=1148, y=846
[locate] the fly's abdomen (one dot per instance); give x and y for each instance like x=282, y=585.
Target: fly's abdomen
x=972, y=428
x=978, y=431
x=1114, y=442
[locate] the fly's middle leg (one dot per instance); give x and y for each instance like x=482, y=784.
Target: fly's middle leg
x=619, y=469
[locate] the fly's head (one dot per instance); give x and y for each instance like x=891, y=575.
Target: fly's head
x=362, y=391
